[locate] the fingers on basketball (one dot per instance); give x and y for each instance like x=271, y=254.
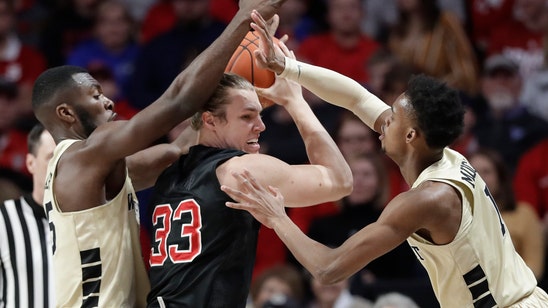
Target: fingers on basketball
x=243, y=63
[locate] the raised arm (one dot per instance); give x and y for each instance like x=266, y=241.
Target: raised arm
x=329, y=85
x=190, y=89
x=327, y=176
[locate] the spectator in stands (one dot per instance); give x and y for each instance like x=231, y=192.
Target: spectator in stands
x=395, y=82
x=295, y=22
x=336, y=295
x=138, y=8
x=531, y=179
x=535, y=89
x=377, y=66
x=531, y=187
x=507, y=127
x=521, y=37
x=160, y=16
x=394, y=300
x=381, y=15
x=19, y=63
x=15, y=179
x=70, y=23
x=13, y=142
x=485, y=16
x=344, y=47
x=282, y=284
x=223, y=10
x=434, y=41
x=523, y=223
x=113, y=45
x=31, y=16
x=467, y=143
x=161, y=59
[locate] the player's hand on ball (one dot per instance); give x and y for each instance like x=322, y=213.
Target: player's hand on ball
x=269, y=54
x=283, y=91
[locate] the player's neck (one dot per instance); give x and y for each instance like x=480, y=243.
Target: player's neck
x=414, y=164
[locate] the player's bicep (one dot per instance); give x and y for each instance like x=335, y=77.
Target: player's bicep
x=301, y=185
x=305, y=185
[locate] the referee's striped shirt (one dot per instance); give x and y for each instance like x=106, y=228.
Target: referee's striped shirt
x=25, y=255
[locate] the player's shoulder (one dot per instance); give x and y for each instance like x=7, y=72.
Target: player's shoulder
x=252, y=160
x=257, y=164
x=433, y=190
x=430, y=194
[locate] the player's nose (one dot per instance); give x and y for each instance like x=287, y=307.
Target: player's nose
x=108, y=103
x=260, y=126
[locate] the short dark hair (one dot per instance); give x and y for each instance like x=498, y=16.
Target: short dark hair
x=51, y=81
x=33, y=139
x=437, y=108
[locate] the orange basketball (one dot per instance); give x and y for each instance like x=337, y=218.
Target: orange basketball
x=243, y=63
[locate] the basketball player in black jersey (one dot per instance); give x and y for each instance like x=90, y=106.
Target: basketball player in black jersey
x=92, y=170
x=203, y=252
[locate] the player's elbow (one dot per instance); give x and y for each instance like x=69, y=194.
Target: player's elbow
x=348, y=185
x=344, y=185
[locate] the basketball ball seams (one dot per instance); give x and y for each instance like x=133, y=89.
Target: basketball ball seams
x=243, y=63
x=234, y=59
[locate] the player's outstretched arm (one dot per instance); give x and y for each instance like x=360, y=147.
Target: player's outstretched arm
x=187, y=93
x=329, y=85
x=329, y=265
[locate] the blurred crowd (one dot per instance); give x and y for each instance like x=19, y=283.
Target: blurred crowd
x=495, y=52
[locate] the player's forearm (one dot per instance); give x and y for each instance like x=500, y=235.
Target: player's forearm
x=314, y=256
x=336, y=89
x=320, y=147
x=197, y=82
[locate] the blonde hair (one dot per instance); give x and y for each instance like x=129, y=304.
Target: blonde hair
x=218, y=99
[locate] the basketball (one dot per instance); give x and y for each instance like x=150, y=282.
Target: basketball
x=243, y=63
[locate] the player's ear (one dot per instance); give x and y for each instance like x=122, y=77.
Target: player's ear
x=208, y=119
x=65, y=113
x=411, y=135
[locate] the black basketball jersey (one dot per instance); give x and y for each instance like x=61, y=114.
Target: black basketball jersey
x=202, y=251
